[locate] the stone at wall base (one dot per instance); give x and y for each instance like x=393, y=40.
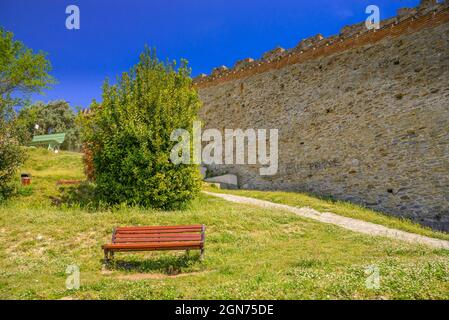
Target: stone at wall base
x=227, y=181
x=212, y=185
x=203, y=171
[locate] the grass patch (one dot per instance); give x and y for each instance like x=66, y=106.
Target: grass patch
x=251, y=253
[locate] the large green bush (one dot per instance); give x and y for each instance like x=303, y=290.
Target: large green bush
x=129, y=136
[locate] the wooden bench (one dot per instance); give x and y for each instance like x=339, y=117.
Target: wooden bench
x=156, y=238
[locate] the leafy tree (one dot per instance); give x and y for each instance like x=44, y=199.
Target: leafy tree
x=129, y=136
x=21, y=72
x=54, y=117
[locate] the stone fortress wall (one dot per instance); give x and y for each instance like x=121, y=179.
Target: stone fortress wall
x=363, y=116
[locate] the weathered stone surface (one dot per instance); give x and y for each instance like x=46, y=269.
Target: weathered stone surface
x=227, y=181
x=388, y=22
x=309, y=42
x=199, y=77
x=352, y=30
x=406, y=12
x=328, y=41
x=203, y=171
x=243, y=63
x=427, y=3
x=368, y=125
x=273, y=54
x=427, y=6
x=219, y=70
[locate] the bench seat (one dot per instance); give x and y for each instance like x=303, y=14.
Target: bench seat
x=155, y=238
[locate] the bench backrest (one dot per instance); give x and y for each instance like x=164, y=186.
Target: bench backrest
x=159, y=234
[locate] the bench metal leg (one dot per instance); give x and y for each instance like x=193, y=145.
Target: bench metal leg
x=108, y=255
x=202, y=254
x=188, y=252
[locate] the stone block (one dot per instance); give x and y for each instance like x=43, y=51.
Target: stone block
x=309, y=42
x=352, y=30
x=199, y=77
x=203, y=171
x=227, y=181
x=273, y=54
x=241, y=64
x=405, y=13
x=424, y=4
x=219, y=70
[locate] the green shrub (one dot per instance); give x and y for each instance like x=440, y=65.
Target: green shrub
x=11, y=156
x=129, y=136
x=22, y=72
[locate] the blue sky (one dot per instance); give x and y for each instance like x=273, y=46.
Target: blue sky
x=208, y=33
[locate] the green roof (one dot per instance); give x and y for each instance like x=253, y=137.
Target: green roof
x=48, y=138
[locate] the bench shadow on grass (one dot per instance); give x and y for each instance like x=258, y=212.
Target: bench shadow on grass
x=166, y=264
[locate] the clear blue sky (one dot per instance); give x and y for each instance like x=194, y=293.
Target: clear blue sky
x=208, y=33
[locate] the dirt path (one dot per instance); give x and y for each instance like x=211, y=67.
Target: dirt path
x=344, y=222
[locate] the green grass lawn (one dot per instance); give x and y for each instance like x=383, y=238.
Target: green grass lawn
x=250, y=252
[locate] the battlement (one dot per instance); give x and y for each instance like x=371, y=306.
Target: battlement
x=428, y=14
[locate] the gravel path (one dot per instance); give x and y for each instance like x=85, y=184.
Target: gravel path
x=344, y=222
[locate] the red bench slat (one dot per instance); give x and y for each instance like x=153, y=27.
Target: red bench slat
x=135, y=240
x=156, y=231
x=142, y=238
x=153, y=240
x=155, y=235
x=153, y=245
x=197, y=227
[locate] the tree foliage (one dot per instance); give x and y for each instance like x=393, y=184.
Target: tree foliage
x=54, y=117
x=11, y=156
x=21, y=72
x=129, y=135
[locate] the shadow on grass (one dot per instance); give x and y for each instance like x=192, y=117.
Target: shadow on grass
x=82, y=196
x=87, y=196
x=170, y=265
